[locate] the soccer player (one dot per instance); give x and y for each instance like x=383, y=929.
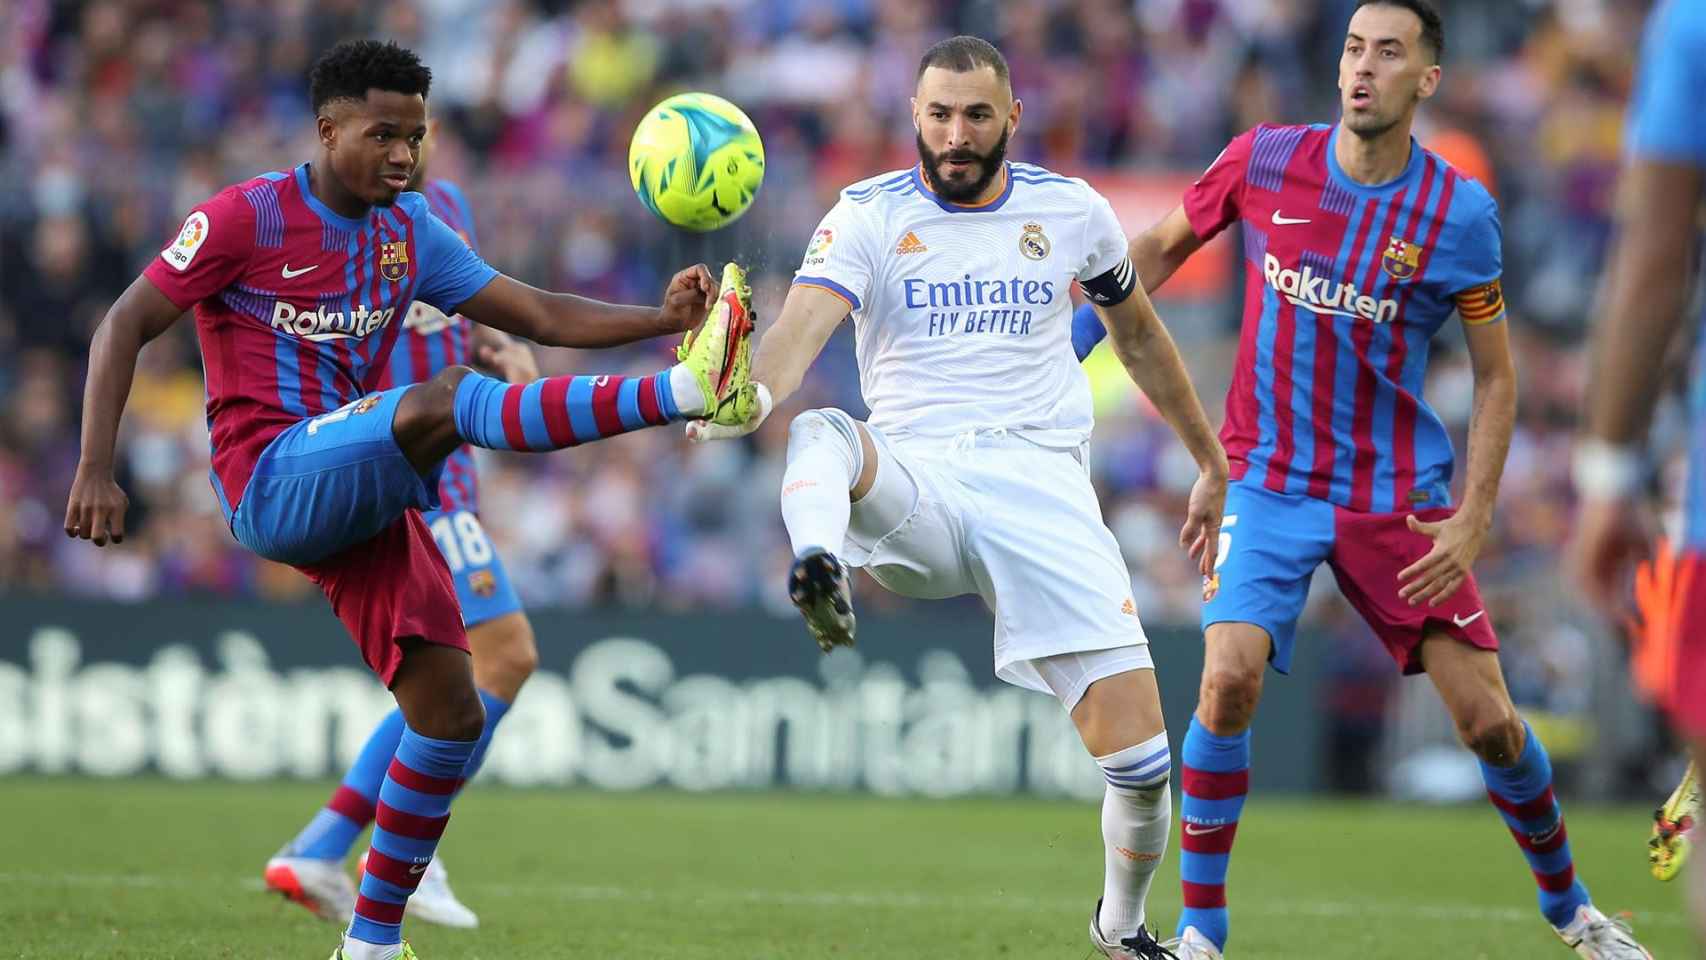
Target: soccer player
x=310, y=868
x=1647, y=288
x=301, y=280
x=970, y=476
x=1359, y=246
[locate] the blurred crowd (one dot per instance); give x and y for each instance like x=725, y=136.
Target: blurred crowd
x=118, y=115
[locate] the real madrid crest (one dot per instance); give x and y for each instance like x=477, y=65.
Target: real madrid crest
x=1402, y=258
x=1032, y=243
x=394, y=260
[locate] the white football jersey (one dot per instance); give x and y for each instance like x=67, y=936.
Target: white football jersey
x=963, y=315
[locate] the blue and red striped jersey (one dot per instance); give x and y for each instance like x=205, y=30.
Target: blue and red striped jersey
x=1345, y=285
x=295, y=304
x=432, y=341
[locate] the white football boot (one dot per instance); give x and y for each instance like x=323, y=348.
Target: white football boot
x=1193, y=946
x=1139, y=946
x=321, y=886
x=1598, y=937
x=433, y=901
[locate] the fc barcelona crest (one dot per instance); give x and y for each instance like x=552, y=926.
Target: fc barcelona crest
x=1402, y=258
x=394, y=260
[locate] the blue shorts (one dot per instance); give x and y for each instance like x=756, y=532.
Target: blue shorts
x=482, y=586
x=1271, y=543
x=329, y=482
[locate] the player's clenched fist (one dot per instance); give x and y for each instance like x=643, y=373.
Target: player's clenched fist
x=96, y=509
x=689, y=296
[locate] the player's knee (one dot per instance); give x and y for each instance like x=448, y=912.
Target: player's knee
x=502, y=668
x=464, y=717
x=1494, y=733
x=1227, y=699
x=430, y=404
x=813, y=427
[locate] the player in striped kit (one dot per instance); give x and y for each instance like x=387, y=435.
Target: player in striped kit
x=1648, y=283
x=1359, y=246
x=300, y=280
x=310, y=868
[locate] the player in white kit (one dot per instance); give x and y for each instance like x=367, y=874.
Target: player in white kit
x=970, y=476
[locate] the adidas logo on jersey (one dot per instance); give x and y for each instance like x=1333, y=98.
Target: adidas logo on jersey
x=1320, y=295
x=1128, y=608
x=910, y=244
x=318, y=324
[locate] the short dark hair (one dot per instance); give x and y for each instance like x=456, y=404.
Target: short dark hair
x=1433, y=29
x=350, y=69
x=963, y=54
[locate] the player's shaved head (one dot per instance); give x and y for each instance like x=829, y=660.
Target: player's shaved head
x=963, y=54
x=352, y=68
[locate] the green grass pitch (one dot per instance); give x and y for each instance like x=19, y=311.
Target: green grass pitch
x=134, y=869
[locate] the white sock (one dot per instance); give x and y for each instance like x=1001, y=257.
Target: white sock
x=1137, y=813
x=823, y=462
x=689, y=399
x=362, y=950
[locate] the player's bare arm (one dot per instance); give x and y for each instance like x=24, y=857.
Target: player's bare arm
x=504, y=355
x=96, y=507
x=1152, y=359
x=1646, y=291
x=809, y=316
x=1157, y=253
x=567, y=320
x=1458, y=540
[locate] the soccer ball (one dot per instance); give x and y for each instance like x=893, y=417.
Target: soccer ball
x=696, y=161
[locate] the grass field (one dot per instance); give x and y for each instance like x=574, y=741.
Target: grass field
x=133, y=869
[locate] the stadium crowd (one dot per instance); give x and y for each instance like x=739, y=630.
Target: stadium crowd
x=117, y=115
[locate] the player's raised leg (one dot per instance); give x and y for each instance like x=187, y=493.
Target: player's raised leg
x=832, y=463
x=1119, y=719
x=1518, y=775
x=459, y=405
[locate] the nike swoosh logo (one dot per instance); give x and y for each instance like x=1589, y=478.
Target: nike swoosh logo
x=1197, y=831
x=288, y=273
x=418, y=868
x=1280, y=221
x=1466, y=621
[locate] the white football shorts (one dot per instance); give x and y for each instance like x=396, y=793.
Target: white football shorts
x=1019, y=525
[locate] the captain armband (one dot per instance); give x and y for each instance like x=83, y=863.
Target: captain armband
x=1111, y=287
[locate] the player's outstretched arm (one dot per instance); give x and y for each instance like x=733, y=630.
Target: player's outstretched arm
x=1152, y=359
x=96, y=507
x=809, y=315
x=567, y=320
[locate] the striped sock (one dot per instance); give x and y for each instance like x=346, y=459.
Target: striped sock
x=1214, y=778
x=1137, y=812
x=1523, y=794
x=335, y=828
x=559, y=412
x=414, y=806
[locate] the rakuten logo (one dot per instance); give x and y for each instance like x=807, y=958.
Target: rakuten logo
x=1318, y=293
x=318, y=324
